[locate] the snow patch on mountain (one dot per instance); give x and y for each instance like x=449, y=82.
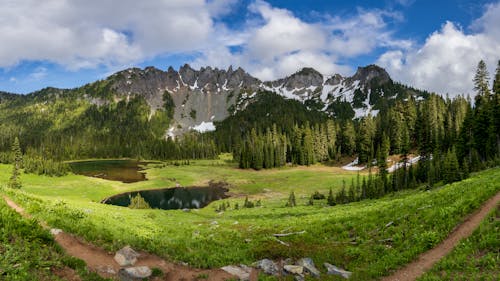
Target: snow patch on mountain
x=204, y=127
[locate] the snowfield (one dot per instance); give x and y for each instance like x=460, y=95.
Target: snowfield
x=204, y=127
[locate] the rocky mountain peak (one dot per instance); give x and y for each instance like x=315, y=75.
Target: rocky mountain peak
x=371, y=73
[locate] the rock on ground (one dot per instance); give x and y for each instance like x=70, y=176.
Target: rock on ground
x=294, y=269
x=308, y=264
x=55, y=231
x=242, y=272
x=134, y=273
x=126, y=256
x=333, y=270
x=268, y=266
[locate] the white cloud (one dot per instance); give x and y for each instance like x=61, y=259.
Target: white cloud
x=446, y=62
x=85, y=33
x=275, y=43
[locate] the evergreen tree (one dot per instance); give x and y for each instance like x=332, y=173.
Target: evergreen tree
x=330, y=200
x=451, y=168
x=481, y=80
x=14, y=181
x=291, y=200
x=138, y=202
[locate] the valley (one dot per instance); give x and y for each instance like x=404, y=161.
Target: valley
x=369, y=238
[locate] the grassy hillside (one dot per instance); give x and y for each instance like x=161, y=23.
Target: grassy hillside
x=27, y=252
x=370, y=237
x=475, y=258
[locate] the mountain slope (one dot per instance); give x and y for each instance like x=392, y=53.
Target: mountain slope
x=133, y=110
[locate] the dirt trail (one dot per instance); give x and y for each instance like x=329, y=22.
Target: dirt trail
x=100, y=261
x=426, y=260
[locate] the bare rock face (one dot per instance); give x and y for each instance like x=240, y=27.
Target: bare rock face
x=371, y=72
x=126, y=256
x=210, y=94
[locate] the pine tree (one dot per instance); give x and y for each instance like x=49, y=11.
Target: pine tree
x=14, y=181
x=291, y=200
x=138, y=202
x=451, y=169
x=382, y=161
x=481, y=80
x=330, y=200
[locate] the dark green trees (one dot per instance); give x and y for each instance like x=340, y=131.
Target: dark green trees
x=15, y=181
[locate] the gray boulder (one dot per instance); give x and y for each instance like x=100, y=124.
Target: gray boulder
x=242, y=272
x=333, y=270
x=268, y=266
x=134, y=273
x=294, y=269
x=308, y=264
x=126, y=256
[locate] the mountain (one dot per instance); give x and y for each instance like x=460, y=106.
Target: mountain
x=132, y=111
x=201, y=97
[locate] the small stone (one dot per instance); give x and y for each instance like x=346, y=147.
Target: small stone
x=126, y=256
x=186, y=210
x=243, y=272
x=294, y=269
x=268, y=266
x=134, y=273
x=308, y=264
x=333, y=270
x=214, y=223
x=55, y=231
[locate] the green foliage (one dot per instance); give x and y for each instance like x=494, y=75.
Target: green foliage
x=15, y=181
x=28, y=252
x=475, y=258
x=291, y=200
x=138, y=202
x=330, y=200
x=317, y=196
x=41, y=166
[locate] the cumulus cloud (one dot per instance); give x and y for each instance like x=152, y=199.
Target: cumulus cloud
x=446, y=62
x=84, y=33
x=275, y=42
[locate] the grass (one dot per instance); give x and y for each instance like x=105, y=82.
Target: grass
x=352, y=236
x=27, y=252
x=475, y=258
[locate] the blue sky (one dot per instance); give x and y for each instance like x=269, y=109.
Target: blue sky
x=434, y=45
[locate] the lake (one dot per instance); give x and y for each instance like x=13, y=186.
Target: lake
x=173, y=198
x=127, y=171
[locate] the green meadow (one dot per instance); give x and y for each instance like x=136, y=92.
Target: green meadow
x=369, y=238
x=475, y=258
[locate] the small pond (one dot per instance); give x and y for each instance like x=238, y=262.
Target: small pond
x=126, y=171
x=173, y=198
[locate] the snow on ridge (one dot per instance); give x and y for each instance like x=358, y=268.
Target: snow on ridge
x=399, y=165
x=204, y=127
x=352, y=166
x=170, y=132
x=195, y=86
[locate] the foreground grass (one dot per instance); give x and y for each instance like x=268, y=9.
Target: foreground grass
x=369, y=238
x=27, y=252
x=475, y=258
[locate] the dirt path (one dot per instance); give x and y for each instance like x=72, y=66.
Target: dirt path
x=426, y=260
x=100, y=261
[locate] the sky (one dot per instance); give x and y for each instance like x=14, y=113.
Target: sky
x=431, y=45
